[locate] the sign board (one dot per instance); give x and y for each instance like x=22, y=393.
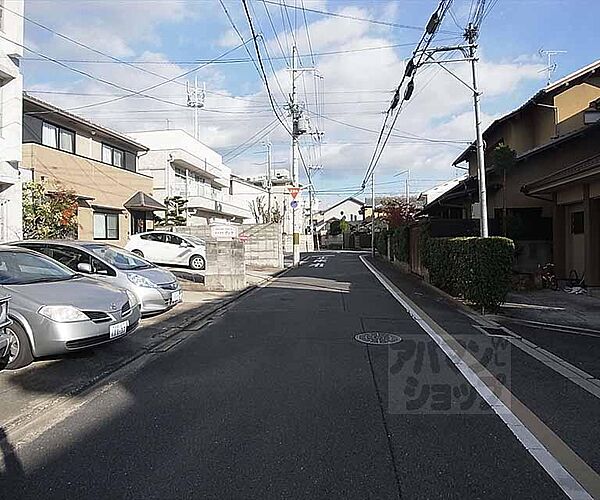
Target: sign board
x=223, y=231
x=294, y=203
x=294, y=192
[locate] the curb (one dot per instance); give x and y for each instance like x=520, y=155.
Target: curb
x=549, y=326
x=112, y=374
x=483, y=319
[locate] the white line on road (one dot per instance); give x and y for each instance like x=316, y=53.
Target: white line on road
x=555, y=469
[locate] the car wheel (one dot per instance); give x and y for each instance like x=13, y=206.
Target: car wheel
x=197, y=262
x=138, y=253
x=20, y=350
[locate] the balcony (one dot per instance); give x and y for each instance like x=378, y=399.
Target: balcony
x=183, y=159
x=218, y=207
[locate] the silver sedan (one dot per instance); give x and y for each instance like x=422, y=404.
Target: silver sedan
x=55, y=310
x=4, y=337
x=156, y=289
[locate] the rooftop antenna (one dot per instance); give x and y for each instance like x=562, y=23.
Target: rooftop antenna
x=550, y=63
x=195, y=99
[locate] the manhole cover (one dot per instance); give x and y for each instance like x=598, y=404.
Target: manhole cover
x=377, y=338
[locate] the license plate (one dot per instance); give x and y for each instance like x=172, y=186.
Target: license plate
x=175, y=297
x=118, y=329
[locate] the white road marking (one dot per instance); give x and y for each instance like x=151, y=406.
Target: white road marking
x=570, y=486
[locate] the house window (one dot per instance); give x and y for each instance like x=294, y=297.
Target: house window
x=577, y=223
x=106, y=226
x=113, y=156
x=57, y=137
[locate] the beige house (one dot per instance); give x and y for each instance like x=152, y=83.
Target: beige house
x=98, y=164
x=554, y=130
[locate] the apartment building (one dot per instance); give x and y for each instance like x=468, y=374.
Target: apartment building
x=98, y=164
x=11, y=90
x=181, y=165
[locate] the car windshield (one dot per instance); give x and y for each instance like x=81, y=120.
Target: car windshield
x=119, y=258
x=195, y=240
x=21, y=268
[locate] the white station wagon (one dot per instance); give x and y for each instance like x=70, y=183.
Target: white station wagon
x=162, y=247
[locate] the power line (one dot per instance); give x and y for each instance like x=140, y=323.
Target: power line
x=221, y=60
x=89, y=75
x=346, y=16
x=262, y=71
x=130, y=92
x=81, y=44
x=428, y=36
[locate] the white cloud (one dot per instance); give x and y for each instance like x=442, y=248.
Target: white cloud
x=229, y=39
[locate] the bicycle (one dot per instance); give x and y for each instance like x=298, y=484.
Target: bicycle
x=548, y=276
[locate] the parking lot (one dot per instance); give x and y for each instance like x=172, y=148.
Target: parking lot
x=47, y=382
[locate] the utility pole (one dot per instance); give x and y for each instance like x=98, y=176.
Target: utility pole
x=296, y=132
x=373, y=214
x=269, y=179
x=471, y=34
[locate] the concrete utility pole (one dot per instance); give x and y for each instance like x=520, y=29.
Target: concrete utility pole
x=296, y=219
x=269, y=179
x=471, y=34
x=373, y=214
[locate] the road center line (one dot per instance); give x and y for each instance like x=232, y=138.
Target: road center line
x=575, y=477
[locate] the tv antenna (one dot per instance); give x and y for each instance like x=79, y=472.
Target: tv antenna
x=195, y=99
x=550, y=62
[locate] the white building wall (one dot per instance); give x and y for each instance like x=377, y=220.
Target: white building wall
x=348, y=208
x=243, y=194
x=174, y=152
x=11, y=115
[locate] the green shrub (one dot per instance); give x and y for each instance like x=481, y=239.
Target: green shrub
x=381, y=242
x=400, y=244
x=476, y=269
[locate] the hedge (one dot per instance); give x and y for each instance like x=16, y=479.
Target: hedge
x=476, y=269
x=398, y=243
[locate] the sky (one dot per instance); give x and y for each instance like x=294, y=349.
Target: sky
x=351, y=67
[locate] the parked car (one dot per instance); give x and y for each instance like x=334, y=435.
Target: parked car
x=54, y=310
x=156, y=289
x=4, y=337
x=169, y=248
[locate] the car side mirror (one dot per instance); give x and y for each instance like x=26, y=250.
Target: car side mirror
x=84, y=267
x=183, y=244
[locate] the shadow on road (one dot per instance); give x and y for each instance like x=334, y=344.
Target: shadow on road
x=12, y=465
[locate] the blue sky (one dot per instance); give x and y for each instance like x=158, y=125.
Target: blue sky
x=357, y=82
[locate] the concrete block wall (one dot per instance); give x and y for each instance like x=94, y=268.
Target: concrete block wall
x=225, y=266
x=263, y=243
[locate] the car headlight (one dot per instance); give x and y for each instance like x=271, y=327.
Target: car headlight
x=133, y=300
x=139, y=280
x=63, y=314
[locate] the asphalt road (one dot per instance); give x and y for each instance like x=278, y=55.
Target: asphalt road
x=275, y=399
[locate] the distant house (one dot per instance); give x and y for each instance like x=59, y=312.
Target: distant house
x=555, y=130
x=349, y=209
x=98, y=164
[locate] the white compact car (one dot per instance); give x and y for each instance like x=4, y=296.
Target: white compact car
x=163, y=247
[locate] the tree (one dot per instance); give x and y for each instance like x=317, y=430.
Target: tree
x=396, y=212
x=260, y=211
x=503, y=160
x=49, y=213
x=176, y=213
